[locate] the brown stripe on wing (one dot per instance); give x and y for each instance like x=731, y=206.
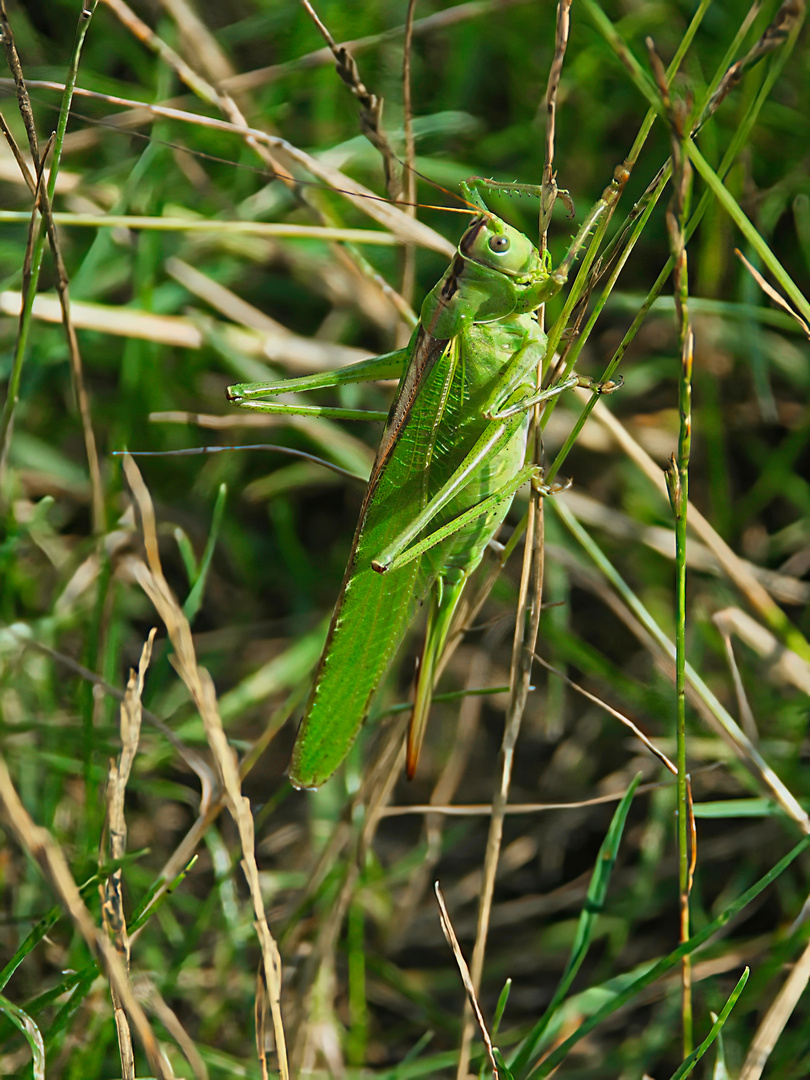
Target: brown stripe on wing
x=427, y=350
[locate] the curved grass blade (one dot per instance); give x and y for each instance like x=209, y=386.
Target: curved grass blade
x=594, y=902
x=686, y=1068
x=32, y=1034
x=669, y=962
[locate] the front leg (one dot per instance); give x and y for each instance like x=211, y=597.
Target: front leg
x=255, y=395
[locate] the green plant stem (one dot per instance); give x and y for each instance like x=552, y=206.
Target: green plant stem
x=678, y=479
x=38, y=248
x=684, y=797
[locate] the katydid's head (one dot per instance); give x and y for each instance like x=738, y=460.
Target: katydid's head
x=492, y=243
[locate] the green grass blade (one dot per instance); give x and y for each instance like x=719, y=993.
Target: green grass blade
x=194, y=599
x=42, y=928
x=500, y=1008
x=688, y=1065
x=594, y=903
x=33, y=1035
x=746, y=227
x=669, y=962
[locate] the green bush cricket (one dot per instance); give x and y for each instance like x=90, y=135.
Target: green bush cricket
x=451, y=458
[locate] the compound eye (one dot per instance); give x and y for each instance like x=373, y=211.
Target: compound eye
x=499, y=244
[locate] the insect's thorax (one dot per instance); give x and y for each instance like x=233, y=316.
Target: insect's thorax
x=482, y=357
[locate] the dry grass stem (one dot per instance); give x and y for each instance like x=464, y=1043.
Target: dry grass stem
x=772, y=293
x=408, y=230
x=112, y=900
x=38, y=843
x=550, y=191
x=150, y=576
x=783, y=665
x=371, y=106
x=628, y=723
x=777, y=1016
x=464, y=971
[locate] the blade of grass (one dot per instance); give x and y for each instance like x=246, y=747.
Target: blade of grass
x=33, y=1036
x=193, y=601
x=749, y=231
x=558, y=1055
x=594, y=904
x=688, y=1066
